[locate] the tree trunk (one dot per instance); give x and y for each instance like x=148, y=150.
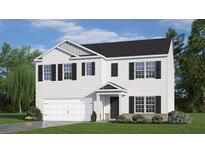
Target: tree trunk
x=20, y=105
x=204, y=97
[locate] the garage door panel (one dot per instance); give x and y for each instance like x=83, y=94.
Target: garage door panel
x=68, y=110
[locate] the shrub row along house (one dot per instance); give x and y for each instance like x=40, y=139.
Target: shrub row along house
x=130, y=77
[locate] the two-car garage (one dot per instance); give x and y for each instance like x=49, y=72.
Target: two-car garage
x=67, y=109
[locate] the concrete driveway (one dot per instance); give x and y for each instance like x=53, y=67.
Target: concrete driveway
x=9, y=128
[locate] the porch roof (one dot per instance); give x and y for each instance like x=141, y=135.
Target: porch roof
x=111, y=87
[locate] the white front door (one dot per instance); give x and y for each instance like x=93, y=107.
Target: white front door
x=67, y=109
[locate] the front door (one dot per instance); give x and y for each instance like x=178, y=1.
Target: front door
x=114, y=107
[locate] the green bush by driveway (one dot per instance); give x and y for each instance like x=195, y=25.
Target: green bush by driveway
x=197, y=126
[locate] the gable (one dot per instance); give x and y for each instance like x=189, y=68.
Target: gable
x=56, y=55
x=70, y=48
x=108, y=86
x=74, y=49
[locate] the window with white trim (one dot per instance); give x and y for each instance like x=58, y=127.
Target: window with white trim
x=88, y=68
x=150, y=70
x=150, y=104
x=47, y=72
x=67, y=71
x=139, y=70
x=145, y=104
x=139, y=104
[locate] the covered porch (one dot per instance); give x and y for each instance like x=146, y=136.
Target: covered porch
x=109, y=101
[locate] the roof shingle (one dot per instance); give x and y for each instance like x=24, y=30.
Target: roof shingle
x=131, y=48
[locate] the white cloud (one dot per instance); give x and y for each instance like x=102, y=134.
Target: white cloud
x=80, y=34
x=60, y=25
x=98, y=35
x=182, y=24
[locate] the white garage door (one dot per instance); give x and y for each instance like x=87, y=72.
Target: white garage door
x=67, y=109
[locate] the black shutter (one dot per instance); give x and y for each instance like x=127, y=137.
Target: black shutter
x=40, y=73
x=93, y=68
x=114, y=69
x=131, y=104
x=53, y=72
x=158, y=69
x=83, y=69
x=60, y=72
x=158, y=104
x=131, y=71
x=74, y=72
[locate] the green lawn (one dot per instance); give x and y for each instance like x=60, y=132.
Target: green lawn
x=197, y=126
x=11, y=118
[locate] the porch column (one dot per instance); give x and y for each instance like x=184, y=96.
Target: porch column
x=99, y=107
x=120, y=103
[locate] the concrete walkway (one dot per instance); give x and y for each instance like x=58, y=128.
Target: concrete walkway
x=9, y=128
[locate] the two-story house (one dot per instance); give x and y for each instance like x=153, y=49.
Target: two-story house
x=130, y=77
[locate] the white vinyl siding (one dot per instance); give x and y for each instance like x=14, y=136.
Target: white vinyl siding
x=67, y=71
x=47, y=72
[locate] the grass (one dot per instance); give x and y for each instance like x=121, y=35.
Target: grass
x=6, y=118
x=197, y=127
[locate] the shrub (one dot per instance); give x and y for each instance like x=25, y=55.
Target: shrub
x=157, y=119
x=93, y=116
x=121, y=118
x=35, y=113
x=138, y=118
x=28, y=118
x=178, y=117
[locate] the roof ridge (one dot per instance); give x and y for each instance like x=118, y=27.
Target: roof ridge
x=163, y=38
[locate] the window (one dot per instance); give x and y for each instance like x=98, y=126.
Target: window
x=150, y=104
x=88, y=69
x=114, y=69
x=139, y=104
x=150, y=70
x=145, y=107
x=67, y=71
x=139, y=68
x=47, y=72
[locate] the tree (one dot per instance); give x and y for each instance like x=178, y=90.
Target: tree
x=19, y=83
x=21, y=86
x=23, y=55
x=195, y=64
x=4, y=55
x=179, y=48
x=178, y=43
x=190, y=67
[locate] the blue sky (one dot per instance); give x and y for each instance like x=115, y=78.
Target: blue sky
x=44, y=34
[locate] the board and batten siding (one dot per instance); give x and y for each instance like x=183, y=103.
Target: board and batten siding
x=84, y=86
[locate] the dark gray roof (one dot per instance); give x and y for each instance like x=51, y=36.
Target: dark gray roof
x=109, y=86
x=131, y=48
